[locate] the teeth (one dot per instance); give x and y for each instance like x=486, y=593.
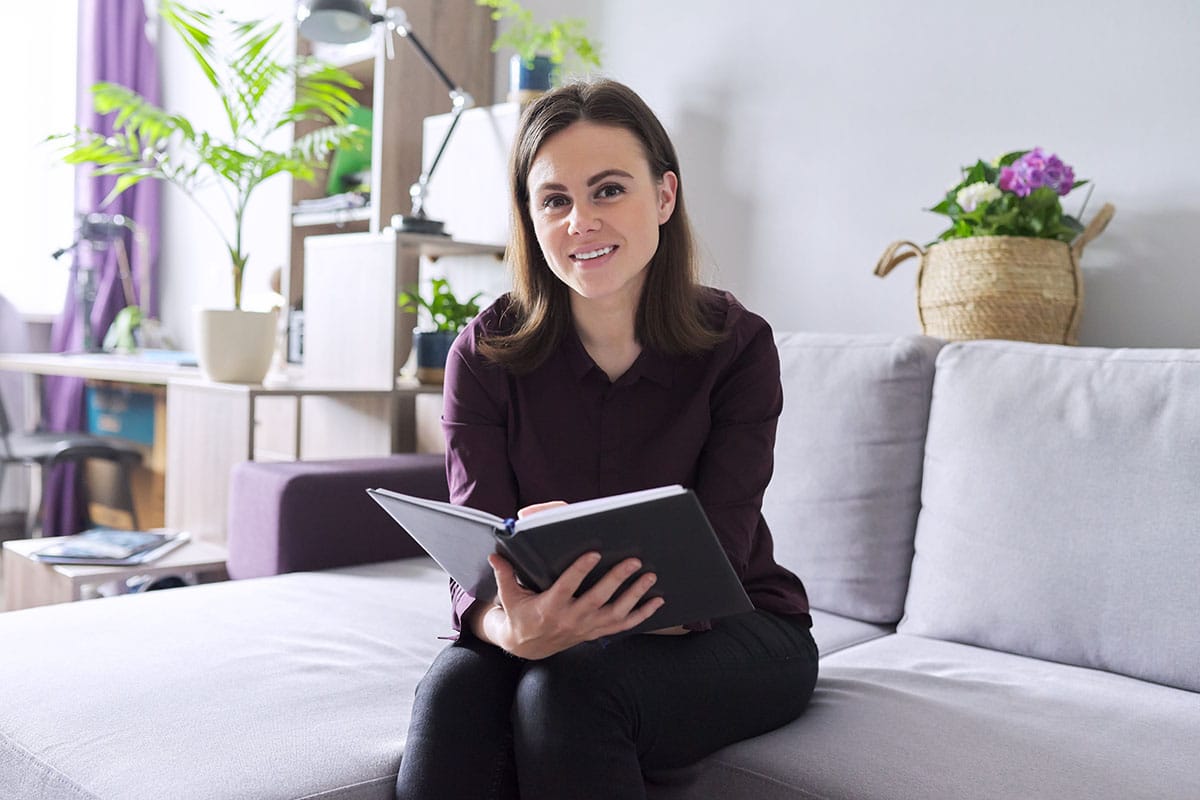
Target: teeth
x=603, y=251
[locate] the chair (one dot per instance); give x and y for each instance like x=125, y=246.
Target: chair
x=41, y=451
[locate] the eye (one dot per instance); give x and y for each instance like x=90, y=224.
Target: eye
x=555, y=201
x=610, y=190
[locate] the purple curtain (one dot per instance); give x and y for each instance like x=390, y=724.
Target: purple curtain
x=113, y=47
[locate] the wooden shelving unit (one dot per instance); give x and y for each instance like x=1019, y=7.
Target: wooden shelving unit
x=401, y=92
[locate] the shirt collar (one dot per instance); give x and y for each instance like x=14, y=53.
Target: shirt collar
x=650, y=364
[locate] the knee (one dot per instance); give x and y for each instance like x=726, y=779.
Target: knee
x=471, y=677
x=563, y=693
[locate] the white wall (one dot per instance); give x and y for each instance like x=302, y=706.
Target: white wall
x=813, y=134
x=38, y=201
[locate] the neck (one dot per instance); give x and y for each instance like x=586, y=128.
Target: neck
x=607, y=333
x=603, y=324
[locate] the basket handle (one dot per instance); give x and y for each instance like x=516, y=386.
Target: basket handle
x=1093, y=229
x=893, y=256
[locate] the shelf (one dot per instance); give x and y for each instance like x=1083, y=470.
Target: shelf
x=434, y=247
x=305, y=219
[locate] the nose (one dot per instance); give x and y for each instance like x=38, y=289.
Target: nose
x=582, y=219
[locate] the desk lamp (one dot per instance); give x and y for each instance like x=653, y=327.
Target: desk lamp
x=345, y=21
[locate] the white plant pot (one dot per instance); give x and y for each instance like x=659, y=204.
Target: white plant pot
x=235, y=346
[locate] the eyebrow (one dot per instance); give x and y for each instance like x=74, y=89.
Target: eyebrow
x=592, y=181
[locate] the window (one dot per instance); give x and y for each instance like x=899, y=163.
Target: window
x=38, y=52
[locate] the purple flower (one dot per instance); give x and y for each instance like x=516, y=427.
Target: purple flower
x=1034, y=170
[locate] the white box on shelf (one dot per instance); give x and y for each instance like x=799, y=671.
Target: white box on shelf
x=469, y=188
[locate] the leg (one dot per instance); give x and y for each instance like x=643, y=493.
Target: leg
x=588, y=722
x=460, y=737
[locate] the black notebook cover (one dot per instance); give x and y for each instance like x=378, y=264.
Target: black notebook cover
x=666, y=528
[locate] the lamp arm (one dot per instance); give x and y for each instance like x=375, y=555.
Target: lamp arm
x=418, y=189
x=397, y=21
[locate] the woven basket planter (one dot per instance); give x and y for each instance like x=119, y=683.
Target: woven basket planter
x=999, y=287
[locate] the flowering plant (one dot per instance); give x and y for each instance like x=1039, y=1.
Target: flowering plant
x=1016, y=195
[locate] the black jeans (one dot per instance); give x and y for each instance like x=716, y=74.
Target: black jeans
x=587, y=722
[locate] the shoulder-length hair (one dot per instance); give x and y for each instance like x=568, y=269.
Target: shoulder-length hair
x=671, y=316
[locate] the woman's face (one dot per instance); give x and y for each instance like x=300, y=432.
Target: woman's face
x=596, y=209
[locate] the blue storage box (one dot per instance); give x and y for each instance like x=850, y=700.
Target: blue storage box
x=125, y=413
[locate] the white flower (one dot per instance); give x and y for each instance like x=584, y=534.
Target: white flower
x=971, y=196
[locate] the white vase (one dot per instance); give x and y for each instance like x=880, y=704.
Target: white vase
x=235, y=346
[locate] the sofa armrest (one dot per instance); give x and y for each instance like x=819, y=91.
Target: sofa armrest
x=308, y=515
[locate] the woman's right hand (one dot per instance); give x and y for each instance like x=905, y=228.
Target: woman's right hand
x=535, y=625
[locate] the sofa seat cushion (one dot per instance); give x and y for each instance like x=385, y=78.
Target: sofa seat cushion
x=834, y=632
x=283, y=687
x=909, y=718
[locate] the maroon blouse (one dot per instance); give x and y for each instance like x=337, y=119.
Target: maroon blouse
x=566, y=432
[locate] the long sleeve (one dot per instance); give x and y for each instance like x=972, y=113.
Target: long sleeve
x=737, y=460
x=476, y=430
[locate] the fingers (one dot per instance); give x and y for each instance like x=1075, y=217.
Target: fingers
x=621, y=612
x=573, y=576
x=508, y=590
x=536, y=507
x=604, y=591
x=606, y=588
x=603, y=594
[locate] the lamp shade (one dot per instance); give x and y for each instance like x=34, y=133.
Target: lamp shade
x=335, y=21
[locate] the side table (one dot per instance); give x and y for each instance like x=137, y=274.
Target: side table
x=28, y=582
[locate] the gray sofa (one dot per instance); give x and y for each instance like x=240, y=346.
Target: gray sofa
x=1002, y=552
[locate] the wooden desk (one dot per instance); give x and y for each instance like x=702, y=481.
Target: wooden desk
x=98, y=366
x=212, y=426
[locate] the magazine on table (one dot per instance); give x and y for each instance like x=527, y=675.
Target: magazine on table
x=666, y=528
x=111, y=547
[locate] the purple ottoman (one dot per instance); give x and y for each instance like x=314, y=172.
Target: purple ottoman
x=308, y=515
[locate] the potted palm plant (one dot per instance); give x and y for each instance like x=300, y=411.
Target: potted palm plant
x=444, y=315
x=262, y=89
x=541, y=49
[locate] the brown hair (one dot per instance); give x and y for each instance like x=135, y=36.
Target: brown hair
x=671, y=314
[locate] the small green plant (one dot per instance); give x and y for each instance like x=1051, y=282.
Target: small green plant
x=529, y=39
x=262, y=88
x=446, y=311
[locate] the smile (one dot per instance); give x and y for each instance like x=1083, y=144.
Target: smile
x=588, y=256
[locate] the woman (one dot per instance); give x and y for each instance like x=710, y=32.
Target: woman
x=607, y=369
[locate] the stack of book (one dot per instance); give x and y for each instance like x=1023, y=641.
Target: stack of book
x=338, y=202
x=111, y=547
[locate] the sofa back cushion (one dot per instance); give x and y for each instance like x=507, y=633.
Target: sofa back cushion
x=842, y=505
x=1061, y=509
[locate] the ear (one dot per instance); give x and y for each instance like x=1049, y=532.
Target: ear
x=668, y=188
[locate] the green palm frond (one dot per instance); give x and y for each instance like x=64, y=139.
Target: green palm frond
x=261, y=89
x=310, y=148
